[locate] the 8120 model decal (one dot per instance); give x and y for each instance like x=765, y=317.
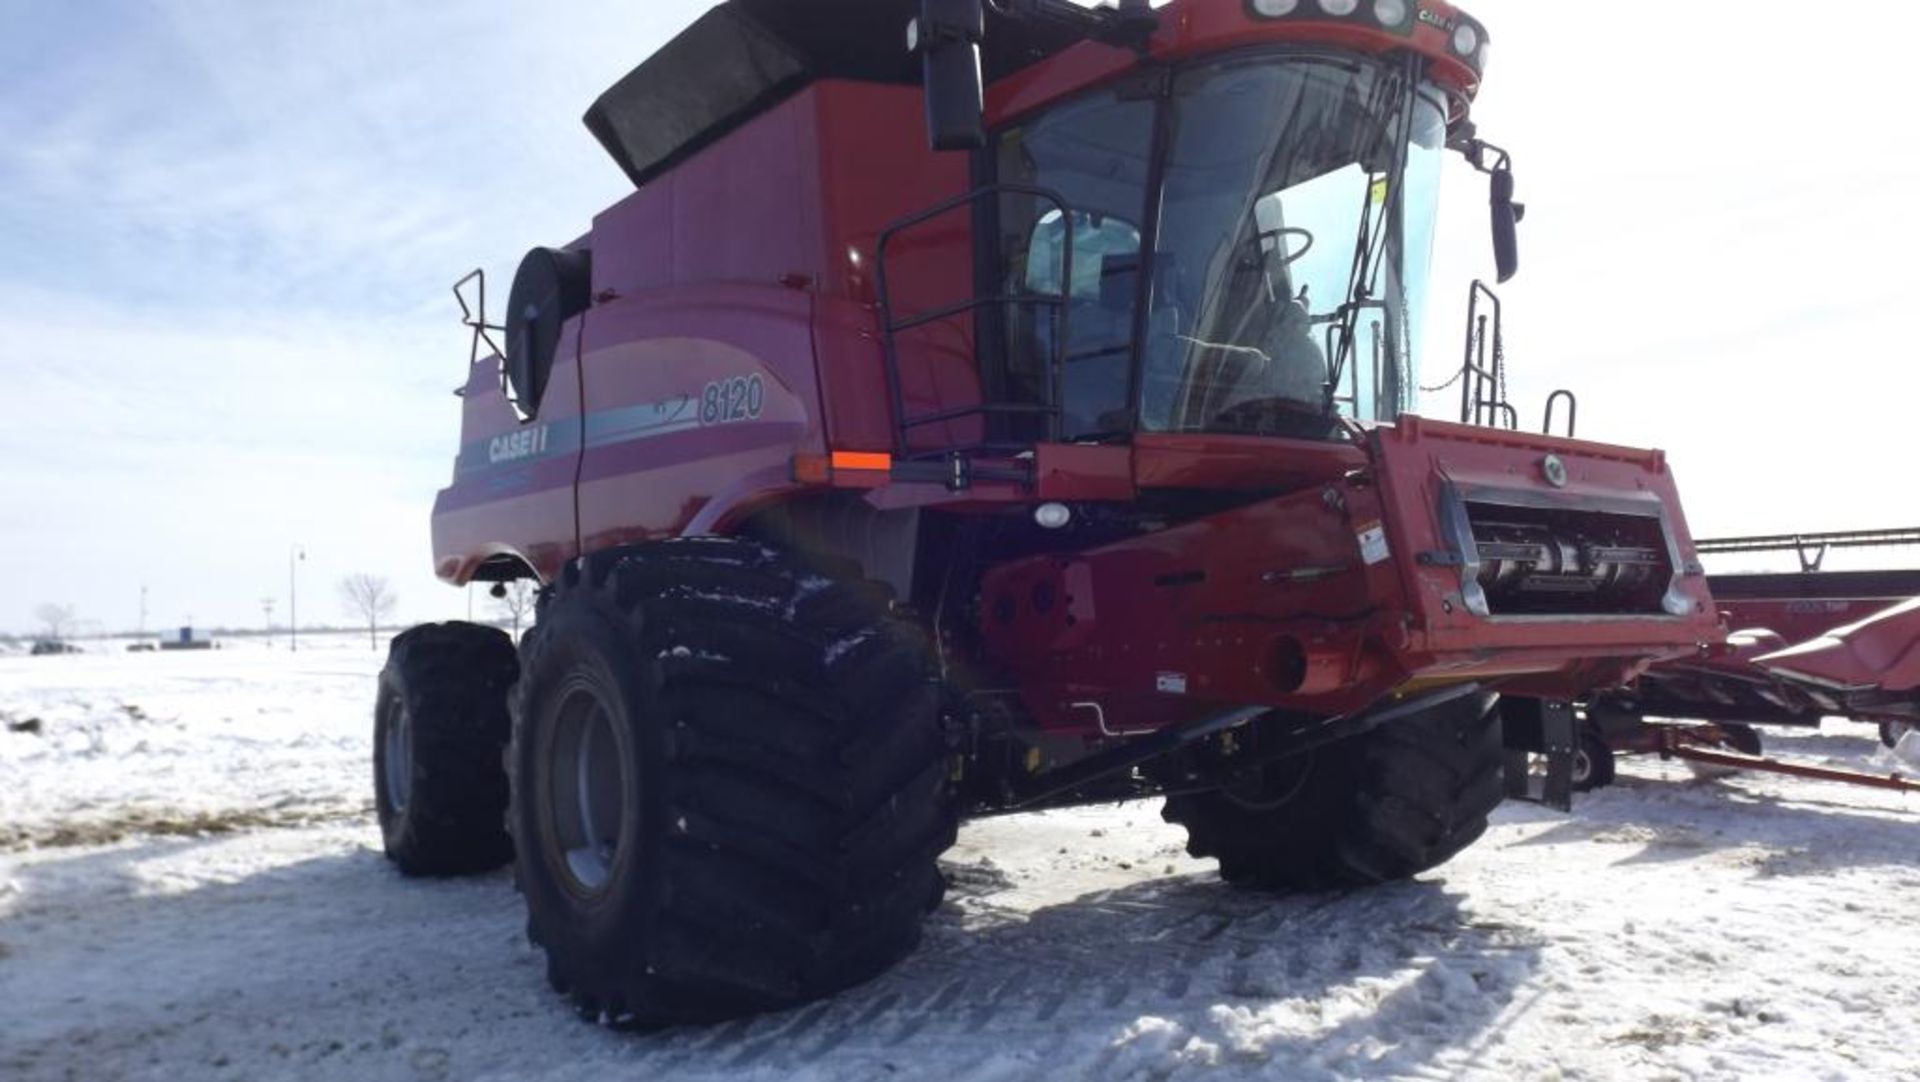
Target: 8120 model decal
x=738, y=399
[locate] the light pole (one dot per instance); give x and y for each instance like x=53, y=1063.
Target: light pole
x=295, y=555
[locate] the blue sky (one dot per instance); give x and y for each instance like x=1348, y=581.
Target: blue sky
x=229, y=227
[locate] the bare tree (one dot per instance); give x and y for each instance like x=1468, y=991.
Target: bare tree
x=58, y=619
x=515, y=600
x=370, y=598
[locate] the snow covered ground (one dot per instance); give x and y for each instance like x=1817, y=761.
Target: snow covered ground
x=191, y=887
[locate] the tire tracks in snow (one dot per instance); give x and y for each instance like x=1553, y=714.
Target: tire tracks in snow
x=991, y=976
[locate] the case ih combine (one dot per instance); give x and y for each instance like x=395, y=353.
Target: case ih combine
x=875, y=486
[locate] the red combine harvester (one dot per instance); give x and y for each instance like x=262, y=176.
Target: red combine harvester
x=1805, y=646
x=872, y=487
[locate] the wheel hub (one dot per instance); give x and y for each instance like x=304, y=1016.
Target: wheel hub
x=397, y=757
x=586, y=789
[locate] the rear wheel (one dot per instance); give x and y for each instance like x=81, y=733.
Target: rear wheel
x=1390, y=804
x=729, y=783
x=1892, y=731
x=439, y=727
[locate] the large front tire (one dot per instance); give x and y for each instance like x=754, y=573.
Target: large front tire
x=440, y=725
x=1400, y=800
x=730, y=783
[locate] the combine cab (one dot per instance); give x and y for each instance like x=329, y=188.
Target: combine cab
x=872, y=487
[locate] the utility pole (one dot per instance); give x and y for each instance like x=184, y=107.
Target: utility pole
x=266, y=606
x=143, y=610
x=295, y=556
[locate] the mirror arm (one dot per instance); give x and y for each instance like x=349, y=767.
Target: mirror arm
x=1477, y=151
x=1497, y=164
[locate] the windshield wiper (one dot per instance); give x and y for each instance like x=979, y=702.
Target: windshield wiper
x=1397, y=93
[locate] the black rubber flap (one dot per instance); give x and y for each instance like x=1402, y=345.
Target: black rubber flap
x=746, y=56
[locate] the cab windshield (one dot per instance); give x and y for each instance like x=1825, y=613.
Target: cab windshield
x=1290, y=227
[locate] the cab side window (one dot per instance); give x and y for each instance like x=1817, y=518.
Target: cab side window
x=1093, y=153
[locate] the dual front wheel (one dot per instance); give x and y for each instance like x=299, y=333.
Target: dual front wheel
x=440, y=723
x=727, y=783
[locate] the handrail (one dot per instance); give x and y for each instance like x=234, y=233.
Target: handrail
x=1483, y=386
x=890, y=327
x=477, y=320
x=1573, y=411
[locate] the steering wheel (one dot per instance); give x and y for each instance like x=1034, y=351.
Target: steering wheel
x=1279, y=239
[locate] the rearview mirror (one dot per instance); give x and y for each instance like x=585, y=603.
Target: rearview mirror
x=947, y=36
x=1506, y=220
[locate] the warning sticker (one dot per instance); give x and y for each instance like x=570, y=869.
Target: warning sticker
x=1172, y=683
x=1373, y=544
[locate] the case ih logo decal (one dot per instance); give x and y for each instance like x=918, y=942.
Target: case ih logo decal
x=515, y=446
x=1432, y=18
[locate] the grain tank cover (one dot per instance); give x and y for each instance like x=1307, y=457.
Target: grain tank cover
x=746, y=56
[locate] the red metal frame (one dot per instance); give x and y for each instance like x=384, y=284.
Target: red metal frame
x=1286, y=586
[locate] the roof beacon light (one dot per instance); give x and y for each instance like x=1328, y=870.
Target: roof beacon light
x=1339, y=8
x=1390, y=12
x=1276, y=9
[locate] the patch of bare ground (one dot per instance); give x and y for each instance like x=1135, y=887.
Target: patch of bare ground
x=168, y=823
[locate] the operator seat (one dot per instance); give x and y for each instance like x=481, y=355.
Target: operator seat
x=1296, y=366
x=1260, y=348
